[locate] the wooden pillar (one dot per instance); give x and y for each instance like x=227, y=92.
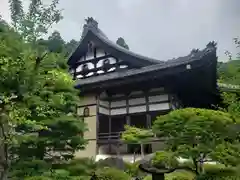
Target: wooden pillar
x=109, y=126
x=128, y=120
x=97, y=122
x=118, y=156
x=74, y=72
x=149, y=122
x=148, y=116
x=142, y=150
x=109, y=133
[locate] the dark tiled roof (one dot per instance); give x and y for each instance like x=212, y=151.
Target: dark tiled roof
x=93, y=28
x=196, y=56
x=101, y=36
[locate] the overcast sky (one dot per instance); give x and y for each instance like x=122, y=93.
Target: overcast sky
x=161, y=29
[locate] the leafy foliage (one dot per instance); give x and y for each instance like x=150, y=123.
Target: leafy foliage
x=166, y=160
x=37, y=20
x=136, y=135
x=112, y=174
x=38, y=118
x=200, y=135
x=195, y=133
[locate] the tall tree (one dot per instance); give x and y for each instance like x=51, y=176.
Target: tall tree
x=54, y=43
x=71, y=46
x=38, y=118
x=17, y=13
x=199, y=135
x=37, y=20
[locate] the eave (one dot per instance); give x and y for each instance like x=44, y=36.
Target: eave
x=112, y=48
x=196, y=60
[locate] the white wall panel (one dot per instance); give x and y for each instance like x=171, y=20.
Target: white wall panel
x=90, y=55
x=158, y=98
x=118, y=111
x=157, y=107
x=118, y=103
x=100, y=53
x=137, y=101
x=137, y=109
x=103, y=111
x=112, y=60
x=104, y=103
x=136, y=93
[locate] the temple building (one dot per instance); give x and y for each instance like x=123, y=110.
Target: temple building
x=119, y=87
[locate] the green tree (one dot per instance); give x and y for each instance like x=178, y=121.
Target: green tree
x=38, y=105
x=112, y=174
x=38, y=119
x=229, y=74
x=36, y=21
x=135, y=135
x=54, y=43
x=71, y=46
x=198, y=135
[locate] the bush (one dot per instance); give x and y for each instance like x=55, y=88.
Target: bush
x=112, y=174
x=81, y=167
x=112, y=162
x=219, y=172
x=133, y=170
x=148, y=177
x=179, y=175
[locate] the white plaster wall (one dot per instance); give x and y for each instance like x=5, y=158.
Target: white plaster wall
x=104, y=103
x=88, y=99
x=118, y=111
x=90, y=55
x=137, y=101
x=100, y=53
x=118, y=103
x=89, y=151
x=137, y=109
x=103, y=111
x=158, y=98
x=160, y=106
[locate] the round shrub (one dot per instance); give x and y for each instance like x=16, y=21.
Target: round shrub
x=112, y=174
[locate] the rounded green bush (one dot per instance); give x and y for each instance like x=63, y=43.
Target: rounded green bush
x=112, y=174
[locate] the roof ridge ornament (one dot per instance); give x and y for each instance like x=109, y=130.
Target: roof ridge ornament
x=212, y=44
x=90, y=22
x=193, y=51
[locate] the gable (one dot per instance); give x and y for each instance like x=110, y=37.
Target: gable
x=96, y=61
x=96, y=55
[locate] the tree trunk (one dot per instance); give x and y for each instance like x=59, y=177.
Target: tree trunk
x=142, y=151
x=3, y=175
x=158, y=177
x=134, y=157
x=3, y=155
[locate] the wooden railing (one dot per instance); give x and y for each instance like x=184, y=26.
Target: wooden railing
x=230, y=86
x=115, y=137
x=110, y=136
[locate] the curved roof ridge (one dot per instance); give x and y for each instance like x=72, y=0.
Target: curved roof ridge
x=98, y=32
x=193, y=56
